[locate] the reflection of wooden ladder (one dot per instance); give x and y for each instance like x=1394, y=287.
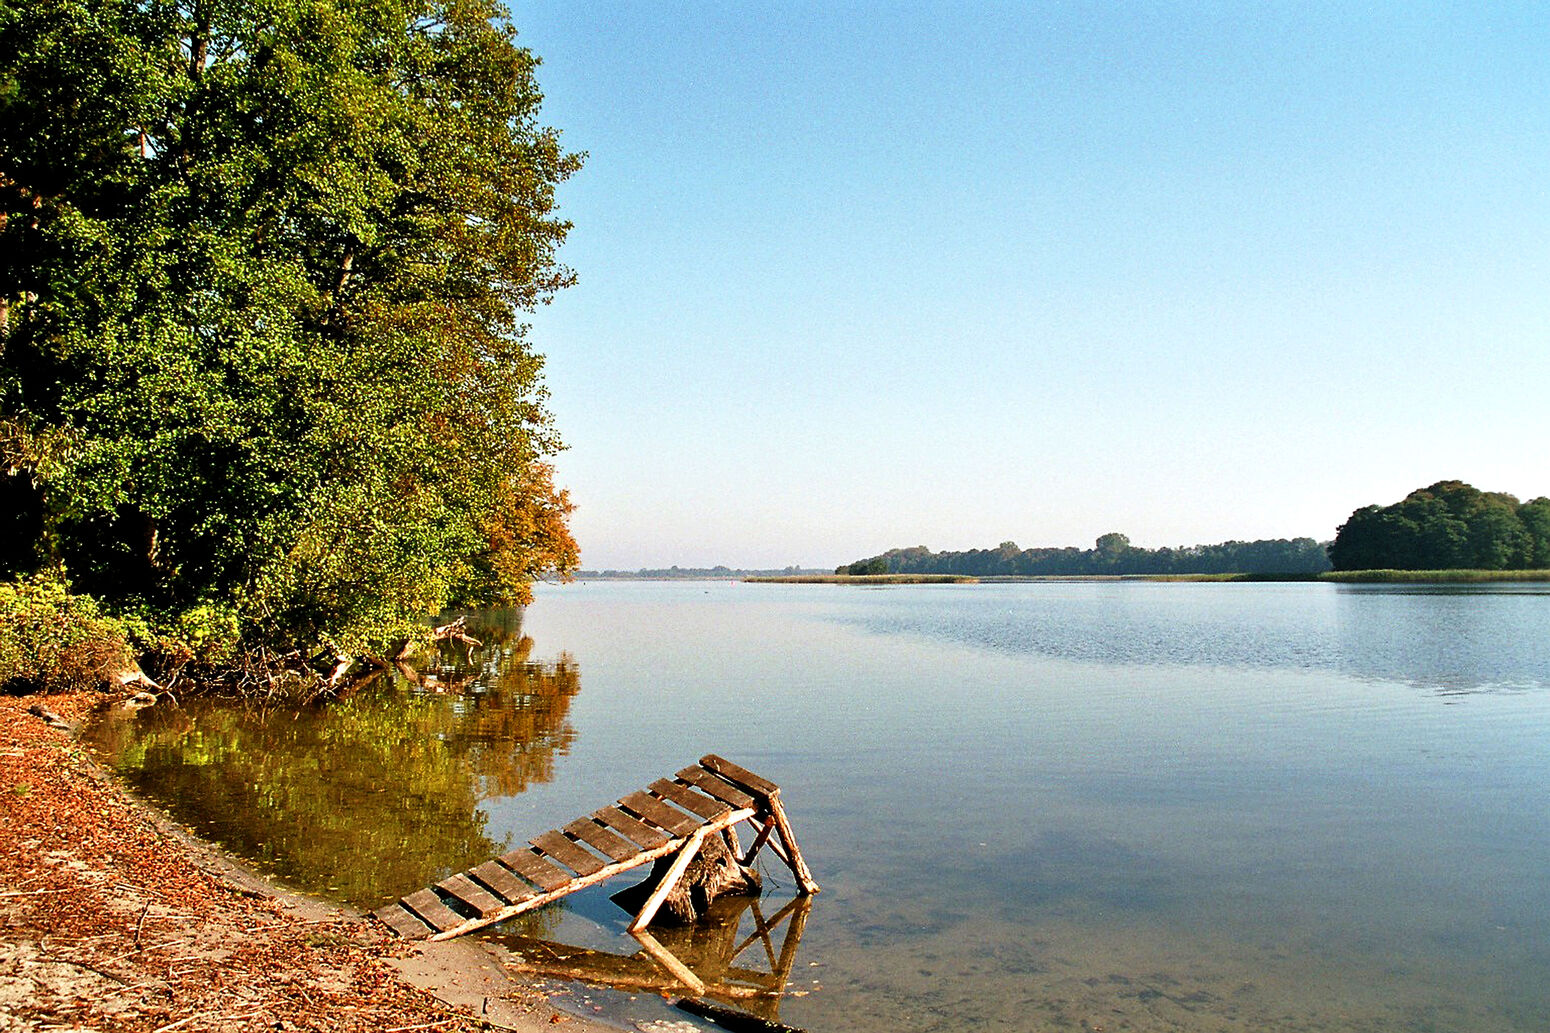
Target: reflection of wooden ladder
x=671, y=816
x=703, y=959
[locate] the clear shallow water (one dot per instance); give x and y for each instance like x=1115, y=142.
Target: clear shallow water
x=1189, y=807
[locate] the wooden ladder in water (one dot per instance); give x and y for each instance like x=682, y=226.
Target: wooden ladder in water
x=670, y=816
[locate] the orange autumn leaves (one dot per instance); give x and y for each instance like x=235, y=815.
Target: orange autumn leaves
x=528, y=539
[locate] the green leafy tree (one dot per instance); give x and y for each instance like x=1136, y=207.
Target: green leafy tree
x=1110, y=547
x=1535, y=515
x=1373, y=539
x=1449, y=525
x=262, y=268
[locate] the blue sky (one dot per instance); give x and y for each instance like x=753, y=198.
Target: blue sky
x=857, y=276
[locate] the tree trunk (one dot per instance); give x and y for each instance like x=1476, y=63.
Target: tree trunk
x=714, y=872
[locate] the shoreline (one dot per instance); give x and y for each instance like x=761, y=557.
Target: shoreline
x=1397, y=577
x=111, y=915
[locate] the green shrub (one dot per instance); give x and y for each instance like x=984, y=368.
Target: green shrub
x=52, y=641
x=202, y=642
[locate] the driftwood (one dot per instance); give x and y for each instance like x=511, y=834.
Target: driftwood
x=734, y=1020
x=132, y=675
x=455, y=632
x=711, y=873
x=48, y=717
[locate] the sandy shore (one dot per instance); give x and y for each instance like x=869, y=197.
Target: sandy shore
x=112, y=918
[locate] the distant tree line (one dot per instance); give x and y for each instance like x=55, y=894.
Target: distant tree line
x=1111, y=554
x=1448, y=526
x=719, y=572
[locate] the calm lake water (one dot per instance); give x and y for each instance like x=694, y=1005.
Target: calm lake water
x=1054, y=806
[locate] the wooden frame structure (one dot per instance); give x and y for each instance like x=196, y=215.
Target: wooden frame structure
x=669, y=817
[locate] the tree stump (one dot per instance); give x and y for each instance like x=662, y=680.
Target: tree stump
x=713, y=873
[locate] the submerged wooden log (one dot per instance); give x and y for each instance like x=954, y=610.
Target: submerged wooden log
x=734, y=1020
x=713, y=872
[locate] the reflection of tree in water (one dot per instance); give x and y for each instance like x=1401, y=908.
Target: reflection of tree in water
x=369, y=797
x=512, y=710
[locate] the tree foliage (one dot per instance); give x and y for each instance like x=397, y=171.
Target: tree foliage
x=1447, y=526
x=1112, y=554
x=262, y=267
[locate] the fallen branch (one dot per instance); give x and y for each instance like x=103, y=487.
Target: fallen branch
x=132, y=675
x=344, y=664
x=455, y=632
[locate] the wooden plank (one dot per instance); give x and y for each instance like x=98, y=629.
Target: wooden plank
x=688, y=799
x=429, y=907
x=568, y=853
x=716, y=786
x=738, y=775
x=535, y=869
x=648, y=836
x=600, y=838
x=659, y=813
x=670, y=879
x=472, y=894
x=402, y=922
x=502, y=882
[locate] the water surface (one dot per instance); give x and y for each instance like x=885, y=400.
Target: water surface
x=1190, y=807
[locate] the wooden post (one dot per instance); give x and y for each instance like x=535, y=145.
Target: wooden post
x=729, y=834
x=788, y=839
x=759, y=841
